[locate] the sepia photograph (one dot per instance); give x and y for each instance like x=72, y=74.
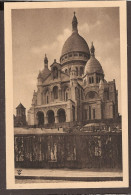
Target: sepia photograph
x=66, y=95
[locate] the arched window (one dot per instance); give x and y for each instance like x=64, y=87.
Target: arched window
x=85, y=114
x=89, y=112
x=55, y=92
x=73, y=112
x=55, y=73
x=91, y=95
x=50, y=116
x=91, y=80
x=47, y=99
x=66, y=96
x=69, y=70
x=40, y=118
x=106, y=94
x=98, y=79
x=61, y=115
x=81, y=71
x=76, y=71
x=75, y=54
x=94, y=114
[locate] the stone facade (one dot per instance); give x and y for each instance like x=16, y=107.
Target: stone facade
x=73, y=91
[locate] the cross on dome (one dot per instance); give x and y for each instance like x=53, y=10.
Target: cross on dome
x=46, y=59
x=92, y=49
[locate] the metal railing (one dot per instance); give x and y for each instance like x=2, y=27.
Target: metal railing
x=72, y=150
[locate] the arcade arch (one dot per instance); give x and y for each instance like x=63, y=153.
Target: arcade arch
x=55, y=92
x=40, y=118
x=51, y=117
x=61, y=115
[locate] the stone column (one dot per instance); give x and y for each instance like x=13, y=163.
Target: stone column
x=69, y=114
x=62, y=95
x=99, y=111
x=51, y=96
x=76, y=112
x=95, y=78
x=46, y=120
x=56, y=119
x=59, y=93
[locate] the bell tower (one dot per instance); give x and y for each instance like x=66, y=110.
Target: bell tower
x=20, y=118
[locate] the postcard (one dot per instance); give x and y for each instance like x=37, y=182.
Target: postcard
x=66, y=95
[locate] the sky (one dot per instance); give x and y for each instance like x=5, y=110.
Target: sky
x=39, y=31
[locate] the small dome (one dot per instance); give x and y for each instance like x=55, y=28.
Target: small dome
x=44, y=73
x=103, y=83
x=93, y=65
x=75, y=43
x=45, y=60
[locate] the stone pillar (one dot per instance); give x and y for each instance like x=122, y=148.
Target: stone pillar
x=69, y=115
x=59, y=94
x=56, y=119
x=62, y=95
x=99, y=111
x=69, y=94
x=76, y=112
x=95, y=78
x=45, y=120
x=51, y=96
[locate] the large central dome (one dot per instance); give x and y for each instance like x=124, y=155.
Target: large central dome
x=75, y=43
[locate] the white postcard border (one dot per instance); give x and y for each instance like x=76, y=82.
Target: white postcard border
x=10, y=176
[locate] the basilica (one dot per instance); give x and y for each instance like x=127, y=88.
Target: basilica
x=73, y=91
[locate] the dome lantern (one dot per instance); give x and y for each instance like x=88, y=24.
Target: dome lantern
x=46, y=61
x=45, y=72
x=74, y=24
x=92, y=50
